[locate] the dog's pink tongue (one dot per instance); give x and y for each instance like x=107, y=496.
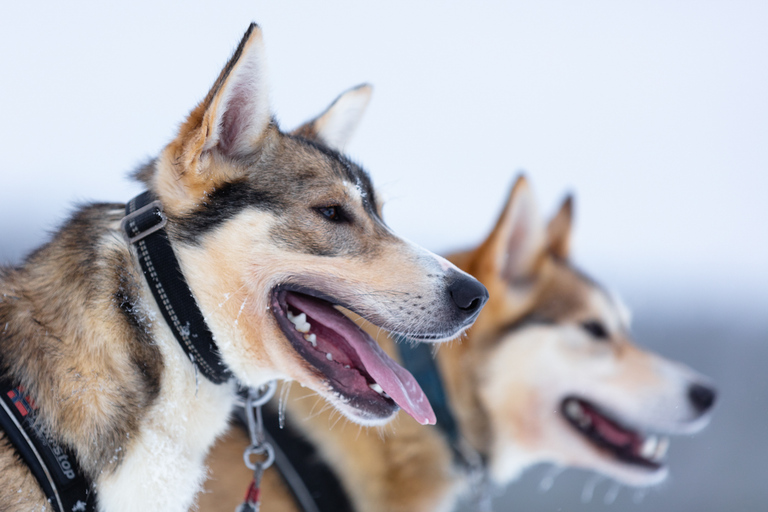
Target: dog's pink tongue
x=395, y=380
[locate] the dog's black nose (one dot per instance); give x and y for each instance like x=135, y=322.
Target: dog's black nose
x=702, y=397
x=468, y=294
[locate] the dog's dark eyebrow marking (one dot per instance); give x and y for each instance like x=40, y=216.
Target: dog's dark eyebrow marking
x=352, y=171
x=520, y=323
x=220, y=205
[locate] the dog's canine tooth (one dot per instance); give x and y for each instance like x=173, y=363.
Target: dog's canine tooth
x=328, y=356
x=661, y=449
x=376, y=387
x=649, y=447
x=574, y=410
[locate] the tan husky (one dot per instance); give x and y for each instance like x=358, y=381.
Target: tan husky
x=548, y=373
x=271, y=231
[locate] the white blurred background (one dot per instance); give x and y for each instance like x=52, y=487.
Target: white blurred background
x=654, y=114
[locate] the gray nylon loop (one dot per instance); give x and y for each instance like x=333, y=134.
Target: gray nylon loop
x=257, y=398
x=265, y=450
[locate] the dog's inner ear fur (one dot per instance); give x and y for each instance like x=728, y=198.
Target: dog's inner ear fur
x=559, y=230
x=233, y=117
x=517, y=244
x=337, y=124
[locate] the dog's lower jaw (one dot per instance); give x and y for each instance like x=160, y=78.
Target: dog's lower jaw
x=163, y=467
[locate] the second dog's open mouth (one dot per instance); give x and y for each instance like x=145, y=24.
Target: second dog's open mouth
x=627, y=445
x=363, y=375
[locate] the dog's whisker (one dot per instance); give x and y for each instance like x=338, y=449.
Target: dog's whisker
x=340, y=417
x=612, y=493
x=282, y=401
x=639, y=496
x=228, y=296
x=589, y=488
x=240, y=312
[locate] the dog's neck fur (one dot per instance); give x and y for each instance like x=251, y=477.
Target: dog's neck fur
x=105, y=371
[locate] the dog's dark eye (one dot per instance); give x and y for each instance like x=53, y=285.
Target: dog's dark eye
x=596, y=329
x=332, y=213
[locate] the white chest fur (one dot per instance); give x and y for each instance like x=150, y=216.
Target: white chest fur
x=163, y=467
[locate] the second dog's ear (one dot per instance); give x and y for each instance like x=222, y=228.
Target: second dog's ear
x=335, y=126
x=233, y=117
x=517, y=243
x=559, y=230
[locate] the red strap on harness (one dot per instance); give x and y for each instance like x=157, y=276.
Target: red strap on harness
x=253, y=496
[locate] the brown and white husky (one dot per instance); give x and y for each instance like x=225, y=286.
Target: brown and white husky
x=272, y=231
x=548, y=373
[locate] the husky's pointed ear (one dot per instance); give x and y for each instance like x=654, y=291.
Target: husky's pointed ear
x=335, y=126
x=516, y=244
x=234, y=115
x=559, y=230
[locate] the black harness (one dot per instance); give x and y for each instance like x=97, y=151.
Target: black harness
x=55, y=467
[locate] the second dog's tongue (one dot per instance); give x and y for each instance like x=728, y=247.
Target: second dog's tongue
x=395, y=380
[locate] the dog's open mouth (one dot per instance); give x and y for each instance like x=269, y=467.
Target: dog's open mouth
x=353, y=364
x=606, y=433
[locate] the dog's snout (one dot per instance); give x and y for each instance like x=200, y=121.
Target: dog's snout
x=468, y=294
x=702, y=397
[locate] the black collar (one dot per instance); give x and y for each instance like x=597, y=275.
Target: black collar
x=143, y=226
x=54, y=466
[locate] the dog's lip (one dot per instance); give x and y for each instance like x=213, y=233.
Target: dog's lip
x=366, y=377
x=603, y=431
x=410, y=335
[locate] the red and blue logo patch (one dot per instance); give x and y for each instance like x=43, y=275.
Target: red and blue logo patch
x=24, y=404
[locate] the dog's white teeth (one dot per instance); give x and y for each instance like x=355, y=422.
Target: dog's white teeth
x=661, y=449
x=648, y=449
x=299, y=322
x=573, y=409
x=346, y=366
x=328, y=356
x=311, y=338
x=376, y=387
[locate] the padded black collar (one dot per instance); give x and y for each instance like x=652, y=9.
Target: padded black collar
x=143, y=226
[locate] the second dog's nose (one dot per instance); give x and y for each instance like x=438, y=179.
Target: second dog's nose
x=702, y=397
x=468, y=294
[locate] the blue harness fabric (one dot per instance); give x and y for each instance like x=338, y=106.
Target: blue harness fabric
x=417, y=358
x=53, y=466
x=143, y=225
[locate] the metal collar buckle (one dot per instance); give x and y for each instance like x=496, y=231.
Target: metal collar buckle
x=131, y=230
